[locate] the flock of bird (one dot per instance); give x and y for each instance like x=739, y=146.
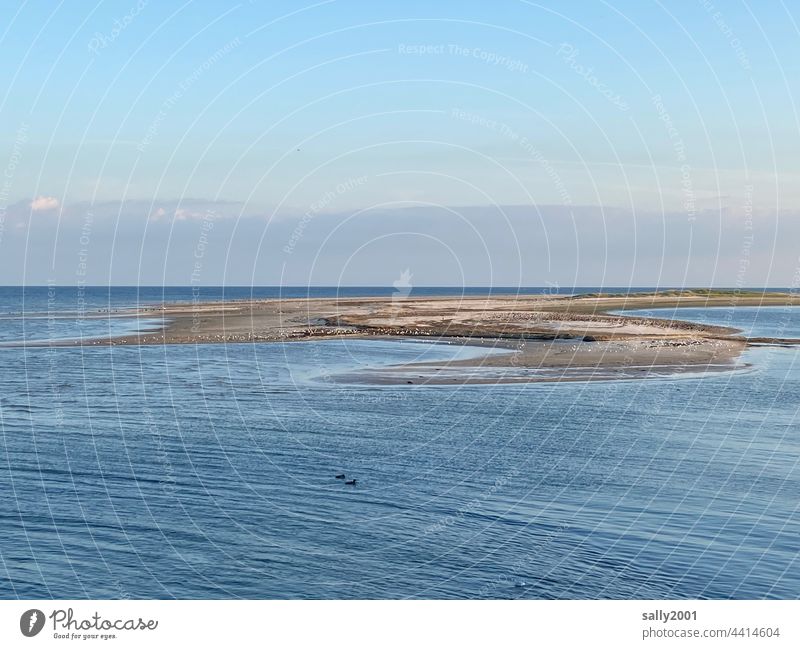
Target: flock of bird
x=342, y=476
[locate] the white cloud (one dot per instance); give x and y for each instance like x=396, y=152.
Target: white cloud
x=195, y=215
x=44, y=203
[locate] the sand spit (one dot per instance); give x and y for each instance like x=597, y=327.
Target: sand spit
x=547, y=337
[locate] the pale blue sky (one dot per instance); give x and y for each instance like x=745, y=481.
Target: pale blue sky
x=267, y=111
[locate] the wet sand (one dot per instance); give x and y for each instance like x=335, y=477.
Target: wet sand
x=546, y=337
x=541, y=361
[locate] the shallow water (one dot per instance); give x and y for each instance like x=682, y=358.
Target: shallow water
x=208, y=471
x=752, y=321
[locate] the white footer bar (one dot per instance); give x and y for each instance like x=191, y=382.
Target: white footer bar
x=380, y=624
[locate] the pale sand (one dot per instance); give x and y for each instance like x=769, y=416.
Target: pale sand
x=539, y=361
x=532, y=328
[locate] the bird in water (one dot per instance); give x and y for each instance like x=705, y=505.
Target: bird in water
x=339, y=476
x=352, y=482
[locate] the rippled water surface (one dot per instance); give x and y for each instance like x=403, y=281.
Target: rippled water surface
x=208, y=471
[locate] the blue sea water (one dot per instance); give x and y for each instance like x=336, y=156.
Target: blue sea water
x=752, y=321
x=208, y=472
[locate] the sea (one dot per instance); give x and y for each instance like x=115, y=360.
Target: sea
x=209, y=471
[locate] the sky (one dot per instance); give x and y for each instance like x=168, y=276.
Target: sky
x=341, y=142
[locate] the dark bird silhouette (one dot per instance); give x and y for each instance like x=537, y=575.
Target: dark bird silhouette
x=339, y=476
x=352, y=482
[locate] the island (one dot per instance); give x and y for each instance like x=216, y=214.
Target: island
x=542, y=337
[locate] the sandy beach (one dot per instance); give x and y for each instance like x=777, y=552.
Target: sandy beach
x=544, y=337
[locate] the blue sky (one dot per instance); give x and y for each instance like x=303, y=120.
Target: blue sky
x=258, y=111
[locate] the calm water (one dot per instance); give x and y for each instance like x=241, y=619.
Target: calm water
x=208, y=471
x=755, y=321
